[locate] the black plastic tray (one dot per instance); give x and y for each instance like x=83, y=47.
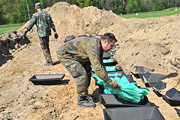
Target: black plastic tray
x=142, y=70
x=116, y=46
x=113, y=52
x=69, y=38
x=172, y=97
x=82, y=36
x=114, y=72
x=178, y=111
x=114, y=62
x=46, y=78
x=133, y=113
x=118, y=68
x=107, y=55
x=151, y=79
x=129, y=77
x=159, y=86
x=120, y=72
x=111, y=100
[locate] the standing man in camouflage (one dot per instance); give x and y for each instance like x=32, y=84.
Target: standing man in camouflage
x=44, y=24
x=79, y=55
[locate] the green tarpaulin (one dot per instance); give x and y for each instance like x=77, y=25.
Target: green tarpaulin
x=127, y=91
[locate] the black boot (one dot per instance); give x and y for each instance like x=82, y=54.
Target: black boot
x=91, y=98
x=82, y=101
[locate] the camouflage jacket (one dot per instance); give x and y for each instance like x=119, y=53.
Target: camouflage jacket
x=43, y=22
x=87, y=50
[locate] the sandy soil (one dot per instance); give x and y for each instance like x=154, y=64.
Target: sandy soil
x=151, y=42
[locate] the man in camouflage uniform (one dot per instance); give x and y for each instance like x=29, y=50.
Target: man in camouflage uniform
x=79, y=55
x=44, y=24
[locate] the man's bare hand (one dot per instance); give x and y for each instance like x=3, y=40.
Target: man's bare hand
x=114, y=84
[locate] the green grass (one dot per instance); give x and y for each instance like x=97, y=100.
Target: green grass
x=8, y=27
x=166, y=12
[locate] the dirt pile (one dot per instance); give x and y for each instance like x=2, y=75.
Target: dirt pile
x=154, y=39
x=70, y=19
x=152, y=43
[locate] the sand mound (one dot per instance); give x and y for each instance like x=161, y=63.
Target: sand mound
x=70, y=19
x=155, y=39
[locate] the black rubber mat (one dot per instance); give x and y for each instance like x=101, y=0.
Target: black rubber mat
x=111, y=100
x=47, y=78
x=133, y=113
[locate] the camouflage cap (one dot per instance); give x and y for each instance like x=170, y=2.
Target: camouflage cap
x=38, y=5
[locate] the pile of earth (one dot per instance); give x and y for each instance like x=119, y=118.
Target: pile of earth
x=151, y=42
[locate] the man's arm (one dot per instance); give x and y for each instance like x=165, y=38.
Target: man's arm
x=52, y=24
x=93, y=53
x=53, y=27
x=31, y=24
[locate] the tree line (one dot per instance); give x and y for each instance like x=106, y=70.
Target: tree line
x=17, y=11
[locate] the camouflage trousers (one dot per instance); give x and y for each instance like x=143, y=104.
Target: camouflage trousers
x=44, y=42
x=81, y=73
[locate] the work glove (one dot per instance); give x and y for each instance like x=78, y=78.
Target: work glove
x=55, y=35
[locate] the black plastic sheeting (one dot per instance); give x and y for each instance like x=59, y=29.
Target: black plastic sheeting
x=151, y=79
x=111, y=101
x=133, y=113
x=47, y=78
